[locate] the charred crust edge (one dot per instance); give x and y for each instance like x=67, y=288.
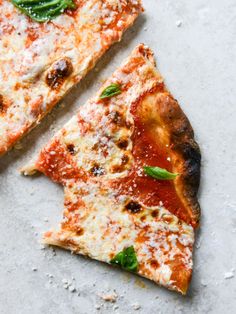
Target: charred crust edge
x=185, y=150
x=190, y=180
x=186, y=153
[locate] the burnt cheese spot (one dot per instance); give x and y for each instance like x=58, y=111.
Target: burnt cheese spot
x=167, y=219
x=96, y=170
x=133, y=207
x=71, y=148
x=2, y=105
x=117, y=118
x=121, y=167
x=80, y=231
x=154, y=264
x=155, y=213
x=122, y=143
x=59, y=71
x=143, y=218
x=95, y=147
x=124, y=160
x=101, y=146
x=117, y=169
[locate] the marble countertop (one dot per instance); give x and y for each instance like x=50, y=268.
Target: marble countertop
x=195, y=47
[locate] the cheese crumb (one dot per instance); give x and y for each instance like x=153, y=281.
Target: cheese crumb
x=179, y=23
x=136, y=306
x=228, y=275
x=72, y=288
x=109, y=297
x=203, y=283
x=97, y=307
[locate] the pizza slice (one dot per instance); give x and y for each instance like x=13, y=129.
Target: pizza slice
x=46, y=48
x=130, y=169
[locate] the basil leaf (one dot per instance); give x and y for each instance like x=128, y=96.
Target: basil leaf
x=43, y=10
x=110, y=91
x=159, y=173
x=126, y=259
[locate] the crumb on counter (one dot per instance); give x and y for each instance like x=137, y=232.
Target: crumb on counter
x=110, y=297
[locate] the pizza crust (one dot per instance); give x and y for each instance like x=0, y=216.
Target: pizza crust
x=163, y=110
x=185, y=155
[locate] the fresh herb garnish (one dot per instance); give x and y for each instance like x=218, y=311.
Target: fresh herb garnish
x=43, y=10
x=159, y=173
x=126, y=259
x=110, y=91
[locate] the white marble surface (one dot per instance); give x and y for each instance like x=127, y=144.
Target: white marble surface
x=195, y=45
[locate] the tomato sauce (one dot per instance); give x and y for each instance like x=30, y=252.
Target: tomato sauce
x=148, y=151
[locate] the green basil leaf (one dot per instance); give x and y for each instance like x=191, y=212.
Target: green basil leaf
x=126, y=259
x=159, y=173
x=43, y=10
x=110, y=91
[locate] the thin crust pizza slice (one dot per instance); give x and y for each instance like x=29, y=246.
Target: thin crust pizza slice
x=40, y=61
x=130, y=169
